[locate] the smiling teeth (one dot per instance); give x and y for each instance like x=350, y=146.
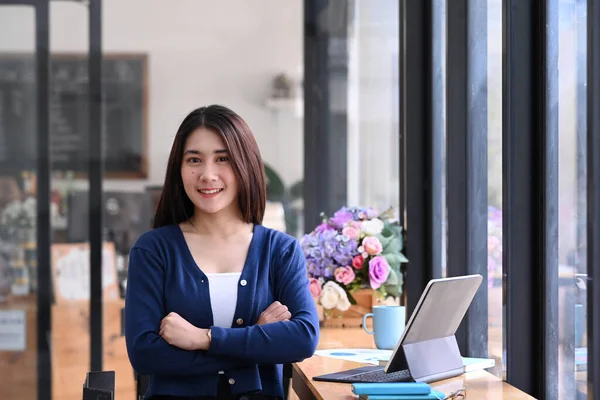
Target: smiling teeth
x=212, y=191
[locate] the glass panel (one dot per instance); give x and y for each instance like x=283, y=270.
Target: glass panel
x=496, y=346
x=494, y=84
x=69, y=129
x=572, y=199
x=373, y=140
x=18, y=157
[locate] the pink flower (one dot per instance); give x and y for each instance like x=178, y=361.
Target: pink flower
x=315, y=287
x=372, y=245
x=357, y=261
x=379, y=270
x=355, y=224
x=344, y=275
x=351, y=232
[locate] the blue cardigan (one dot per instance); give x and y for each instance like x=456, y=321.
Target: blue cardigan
x=163, y=277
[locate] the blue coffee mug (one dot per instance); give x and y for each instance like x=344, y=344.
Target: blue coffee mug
x=388, y=325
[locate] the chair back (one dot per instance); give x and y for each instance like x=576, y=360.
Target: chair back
x=99, y=385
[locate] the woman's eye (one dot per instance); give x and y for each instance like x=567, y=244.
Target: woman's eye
x=223, y=159
x=193, y=160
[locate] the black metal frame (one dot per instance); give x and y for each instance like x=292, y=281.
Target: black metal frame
x=423, y=245
x=19, y=2
x=466, y=158
x=96, y=174
x=593, y=195
x=325, y=130
x=44, y=227
x=530, y=194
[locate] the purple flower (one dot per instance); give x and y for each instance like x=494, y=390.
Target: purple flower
x=316, y=253
x=340, y=218
x=312, y=268
x=379, y=270
x=362, y=213
x=327, y=235
x=307, y=241
x=323, y=227
x=329, y=248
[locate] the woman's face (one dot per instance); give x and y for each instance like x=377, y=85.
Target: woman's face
x=207, y=173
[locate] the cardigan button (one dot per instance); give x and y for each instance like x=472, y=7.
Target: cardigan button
x=239, y=321
x=231, y=381
x=243, y=282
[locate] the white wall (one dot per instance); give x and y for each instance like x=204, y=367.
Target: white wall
x=228, y=51
x=200, y=52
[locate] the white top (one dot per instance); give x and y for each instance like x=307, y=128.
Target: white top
x=223, y=290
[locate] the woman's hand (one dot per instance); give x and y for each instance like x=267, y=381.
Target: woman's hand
x=276, y=312
x=180, y=333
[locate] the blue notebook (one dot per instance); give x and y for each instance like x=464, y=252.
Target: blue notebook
x=433, y=395
x=391, y=388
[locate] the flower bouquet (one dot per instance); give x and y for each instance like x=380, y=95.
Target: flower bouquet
x=355, y=249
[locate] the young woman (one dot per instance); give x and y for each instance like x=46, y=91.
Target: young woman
x=216, y=302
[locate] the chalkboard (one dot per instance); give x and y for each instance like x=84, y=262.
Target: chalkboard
x=125, y=113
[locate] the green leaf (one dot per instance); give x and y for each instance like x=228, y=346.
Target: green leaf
x=394, y=247
x=393, y=286
x=394, y=260
x=392, y=278
x=365, y=266
x=393, y=228
x=392, y=290
x=382, y=290
x=351, y=298
x=385, y=241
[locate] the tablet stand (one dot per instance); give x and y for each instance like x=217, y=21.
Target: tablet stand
x=429, y=360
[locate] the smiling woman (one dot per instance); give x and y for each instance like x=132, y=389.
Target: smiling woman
x=215, y=301
x=206, y=137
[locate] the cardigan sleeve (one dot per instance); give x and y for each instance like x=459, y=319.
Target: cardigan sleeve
x=280, y=342
x=148, y=352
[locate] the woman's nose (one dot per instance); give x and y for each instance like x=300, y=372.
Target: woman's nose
x=208, y=174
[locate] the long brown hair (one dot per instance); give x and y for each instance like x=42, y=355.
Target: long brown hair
x=175, y=206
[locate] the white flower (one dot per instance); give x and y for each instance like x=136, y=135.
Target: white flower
x=372, y=227
x=333, y=296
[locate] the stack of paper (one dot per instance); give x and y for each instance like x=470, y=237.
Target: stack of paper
x=381, y=357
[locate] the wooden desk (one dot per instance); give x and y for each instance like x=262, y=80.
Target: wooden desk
x=479, y=384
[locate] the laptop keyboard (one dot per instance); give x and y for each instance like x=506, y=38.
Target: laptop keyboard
x=379, y=376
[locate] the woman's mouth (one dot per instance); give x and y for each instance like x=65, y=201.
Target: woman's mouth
x=210, y=192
